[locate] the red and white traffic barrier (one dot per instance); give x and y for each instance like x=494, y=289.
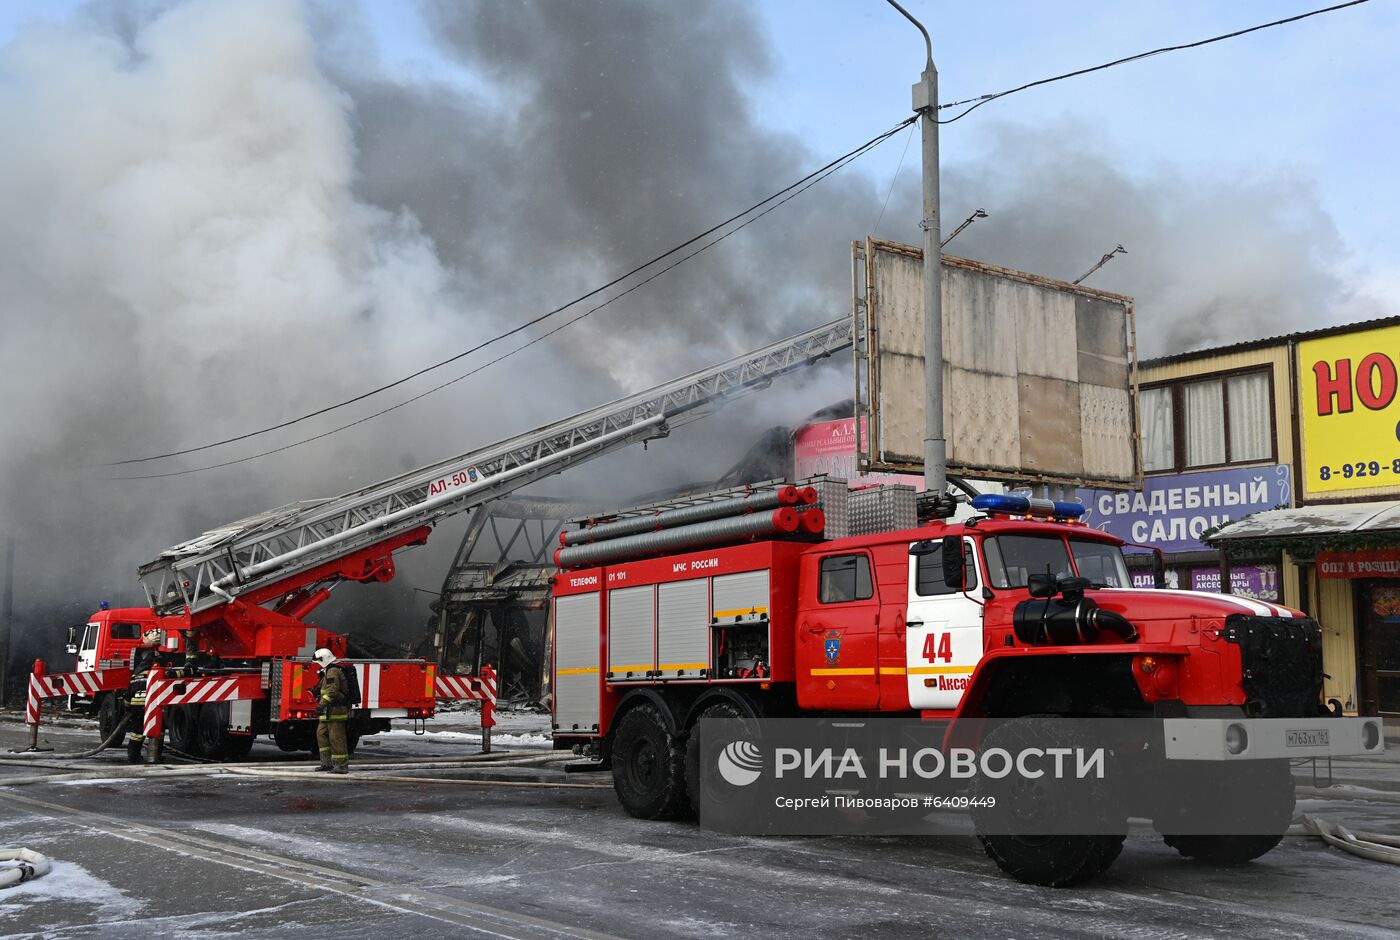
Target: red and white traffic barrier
x=163, y=692
x=42, y=685
x=481, y=689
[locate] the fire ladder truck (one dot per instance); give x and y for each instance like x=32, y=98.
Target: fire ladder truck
x=230, y=606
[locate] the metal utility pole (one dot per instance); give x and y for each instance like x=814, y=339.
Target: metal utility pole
x=7, y=614
x=926, y=104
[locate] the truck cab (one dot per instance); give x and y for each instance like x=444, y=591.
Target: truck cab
x=1006, y=613
x=109, y=636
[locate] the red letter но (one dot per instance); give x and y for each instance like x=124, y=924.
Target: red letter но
x=1329, y=387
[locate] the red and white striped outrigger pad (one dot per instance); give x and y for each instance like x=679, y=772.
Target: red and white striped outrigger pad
x=63, y=684
x=162, y=692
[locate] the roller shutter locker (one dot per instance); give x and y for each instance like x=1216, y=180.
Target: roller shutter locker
x=631, y=633
x=683, y=628
x=576, y=634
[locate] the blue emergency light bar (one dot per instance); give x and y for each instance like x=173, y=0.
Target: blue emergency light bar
x=1026, y=506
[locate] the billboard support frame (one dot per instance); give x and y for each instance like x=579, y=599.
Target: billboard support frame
x=872, y=451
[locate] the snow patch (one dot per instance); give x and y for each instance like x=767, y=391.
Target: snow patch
x=526, y=739
x=69, y=883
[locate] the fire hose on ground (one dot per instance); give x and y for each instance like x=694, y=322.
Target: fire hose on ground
x=1376, y=846
x=365, y=771
x=93, y=752
x=20, y=865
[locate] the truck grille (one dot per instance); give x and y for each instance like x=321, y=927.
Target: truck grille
x=1281, y=660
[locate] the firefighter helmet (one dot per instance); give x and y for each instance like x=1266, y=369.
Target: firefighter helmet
x=152, y=637
x=324, y=657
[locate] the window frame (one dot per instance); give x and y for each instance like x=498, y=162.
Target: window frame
x=1177, y=389
x=969, y=563
x=856, y=598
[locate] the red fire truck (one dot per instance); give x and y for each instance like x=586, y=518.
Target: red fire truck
x=222, y=676
x=1017, y=613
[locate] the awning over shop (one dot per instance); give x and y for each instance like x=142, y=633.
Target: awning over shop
x=1310, y=528
x=1312, y=522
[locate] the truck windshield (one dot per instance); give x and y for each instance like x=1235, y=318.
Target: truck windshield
x=1101, y=563
x=1012, y=558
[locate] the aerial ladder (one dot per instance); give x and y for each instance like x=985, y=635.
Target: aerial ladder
x=231, y=603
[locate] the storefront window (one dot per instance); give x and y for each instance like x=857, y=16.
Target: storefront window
x=1260, y=581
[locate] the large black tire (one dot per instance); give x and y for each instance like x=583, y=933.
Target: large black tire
x=216, y=742
x=648, y=765
x=1267, y=787
x=292, y=736
x=109, y=715
x=182, y=729
x=721, y=710
x=1052, y=860
x=1223, y=850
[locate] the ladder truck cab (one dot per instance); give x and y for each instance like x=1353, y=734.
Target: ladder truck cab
x=1017, y=613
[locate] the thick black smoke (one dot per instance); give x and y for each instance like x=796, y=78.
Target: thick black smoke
x=223, y=212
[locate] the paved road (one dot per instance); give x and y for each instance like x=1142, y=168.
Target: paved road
x=343, y=858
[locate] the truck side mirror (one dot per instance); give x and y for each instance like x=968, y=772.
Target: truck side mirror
x=1042, y=584
x=925, y=547
x=953, y=574
x=72, y=646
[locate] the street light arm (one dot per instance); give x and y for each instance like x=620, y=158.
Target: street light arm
x=910, y=17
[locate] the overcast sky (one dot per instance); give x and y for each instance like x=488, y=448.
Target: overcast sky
x=1318, y=100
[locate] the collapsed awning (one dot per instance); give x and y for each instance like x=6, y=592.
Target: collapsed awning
x=1340, y=523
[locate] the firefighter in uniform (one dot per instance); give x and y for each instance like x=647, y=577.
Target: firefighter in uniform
x=142, y=659
x=333, y=710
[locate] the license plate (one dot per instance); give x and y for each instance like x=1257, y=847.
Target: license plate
x=1315, y=738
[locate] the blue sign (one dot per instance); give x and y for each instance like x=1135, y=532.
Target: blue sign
x=1171, y=512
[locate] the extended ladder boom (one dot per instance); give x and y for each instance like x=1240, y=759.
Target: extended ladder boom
x=284, y=544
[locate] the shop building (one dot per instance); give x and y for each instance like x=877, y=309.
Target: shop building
x=1272, y=470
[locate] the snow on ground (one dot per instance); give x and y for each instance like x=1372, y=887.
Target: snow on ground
x=68, y=883
x=527, y=740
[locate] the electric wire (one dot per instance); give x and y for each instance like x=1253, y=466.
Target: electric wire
x=893, y=180
x=820, y=172
x=831, y=168
x=987, y=99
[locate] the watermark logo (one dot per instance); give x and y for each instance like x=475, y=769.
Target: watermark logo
x=740, y=763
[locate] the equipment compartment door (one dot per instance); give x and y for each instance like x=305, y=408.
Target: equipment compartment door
x=943, y=639
x=576, y=682
x=683, y=629
x=631, y=633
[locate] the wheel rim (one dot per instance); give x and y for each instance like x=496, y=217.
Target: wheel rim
x=643, y=766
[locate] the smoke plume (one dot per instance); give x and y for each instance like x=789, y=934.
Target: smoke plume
x=221, y=213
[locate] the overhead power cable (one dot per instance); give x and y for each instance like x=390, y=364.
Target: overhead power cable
x=980, y=100
x=811, y=180
x=812, y=177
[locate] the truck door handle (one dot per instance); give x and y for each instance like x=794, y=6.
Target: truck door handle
x=913, y=623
